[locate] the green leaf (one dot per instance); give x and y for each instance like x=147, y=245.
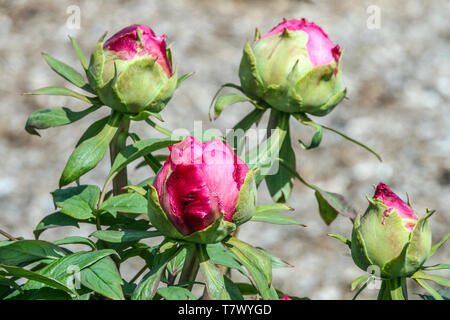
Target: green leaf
x=137, y=189
x=341, y=238
x=246, y=289
x=443, y=281
x=149, y=159
x=93, y=130
x=275, y=217
x=444, y=293
x=266, y=153
x=45, y=293
x=127, y=203
x=438, y=245
x=76, y=240
x=224, y=101
x=65, y=269
x=34, y=276
x=23, y=252
x=215, y=283
x=436, y=267
x=358, y=281
x=54, y=117
x=257, y=264
x=236, y=137
x=273, y=207
x=67, y=72
x=224, y=257
x=232, y=289
x=183, y=77
x=104, y=278
x=317, y=138
x=86, y=156
x=77, y=202
x=54, y=220
x=430, y=289
x=63, y=91
x=280, y=184
x=275, y=261
x=176, y=293
x=137, y=150
x=79, y=53
x=125, y=235
x=149, y=284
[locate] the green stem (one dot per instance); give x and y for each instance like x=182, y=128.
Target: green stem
x=404, y=288
x=430, y=289
x=354, y=141
x=164, y=131
x=116, y=145
x=383, y=294
x=190, y=266
x=7, y=235
x=396, y=289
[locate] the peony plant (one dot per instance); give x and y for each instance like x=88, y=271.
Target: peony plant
x=391, y=240
x=200, y=190
x=294, y=70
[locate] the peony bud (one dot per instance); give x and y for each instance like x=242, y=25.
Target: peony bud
x=293, y=68
x=131, y=71
x=285, y=298
x=202, y=192
x=389, y=235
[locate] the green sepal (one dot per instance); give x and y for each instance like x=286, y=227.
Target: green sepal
x=158, y=217
x=214, y=233
x=246, y=204
x=384, y=235
x=251, y=81
x=342, y=239
x=165, y=93
x=96, y=63
x=414, y=253
x=358, y=246
x=319, y=89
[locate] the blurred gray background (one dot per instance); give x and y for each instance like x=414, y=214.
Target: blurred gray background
x=397, y=78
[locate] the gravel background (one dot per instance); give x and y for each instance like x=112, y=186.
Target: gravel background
x=398, y=87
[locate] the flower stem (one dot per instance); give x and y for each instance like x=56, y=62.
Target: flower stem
x=396, y=288
x=116, y=145
x=190, y=267
x=383, y=294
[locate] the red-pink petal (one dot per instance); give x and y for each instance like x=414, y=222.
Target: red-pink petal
x=390, y=199
x=126, y=43
x=187, y=199
x=320, y=48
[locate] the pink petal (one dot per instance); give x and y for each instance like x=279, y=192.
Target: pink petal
x=390, y=199
x=187, y=200
x=320, y=48
x=126, y=42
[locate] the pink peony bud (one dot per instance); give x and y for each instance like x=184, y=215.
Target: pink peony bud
x=199, y=183
x=128, y=43
x=285, y=298
x=391, y=200
x=320, y=48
